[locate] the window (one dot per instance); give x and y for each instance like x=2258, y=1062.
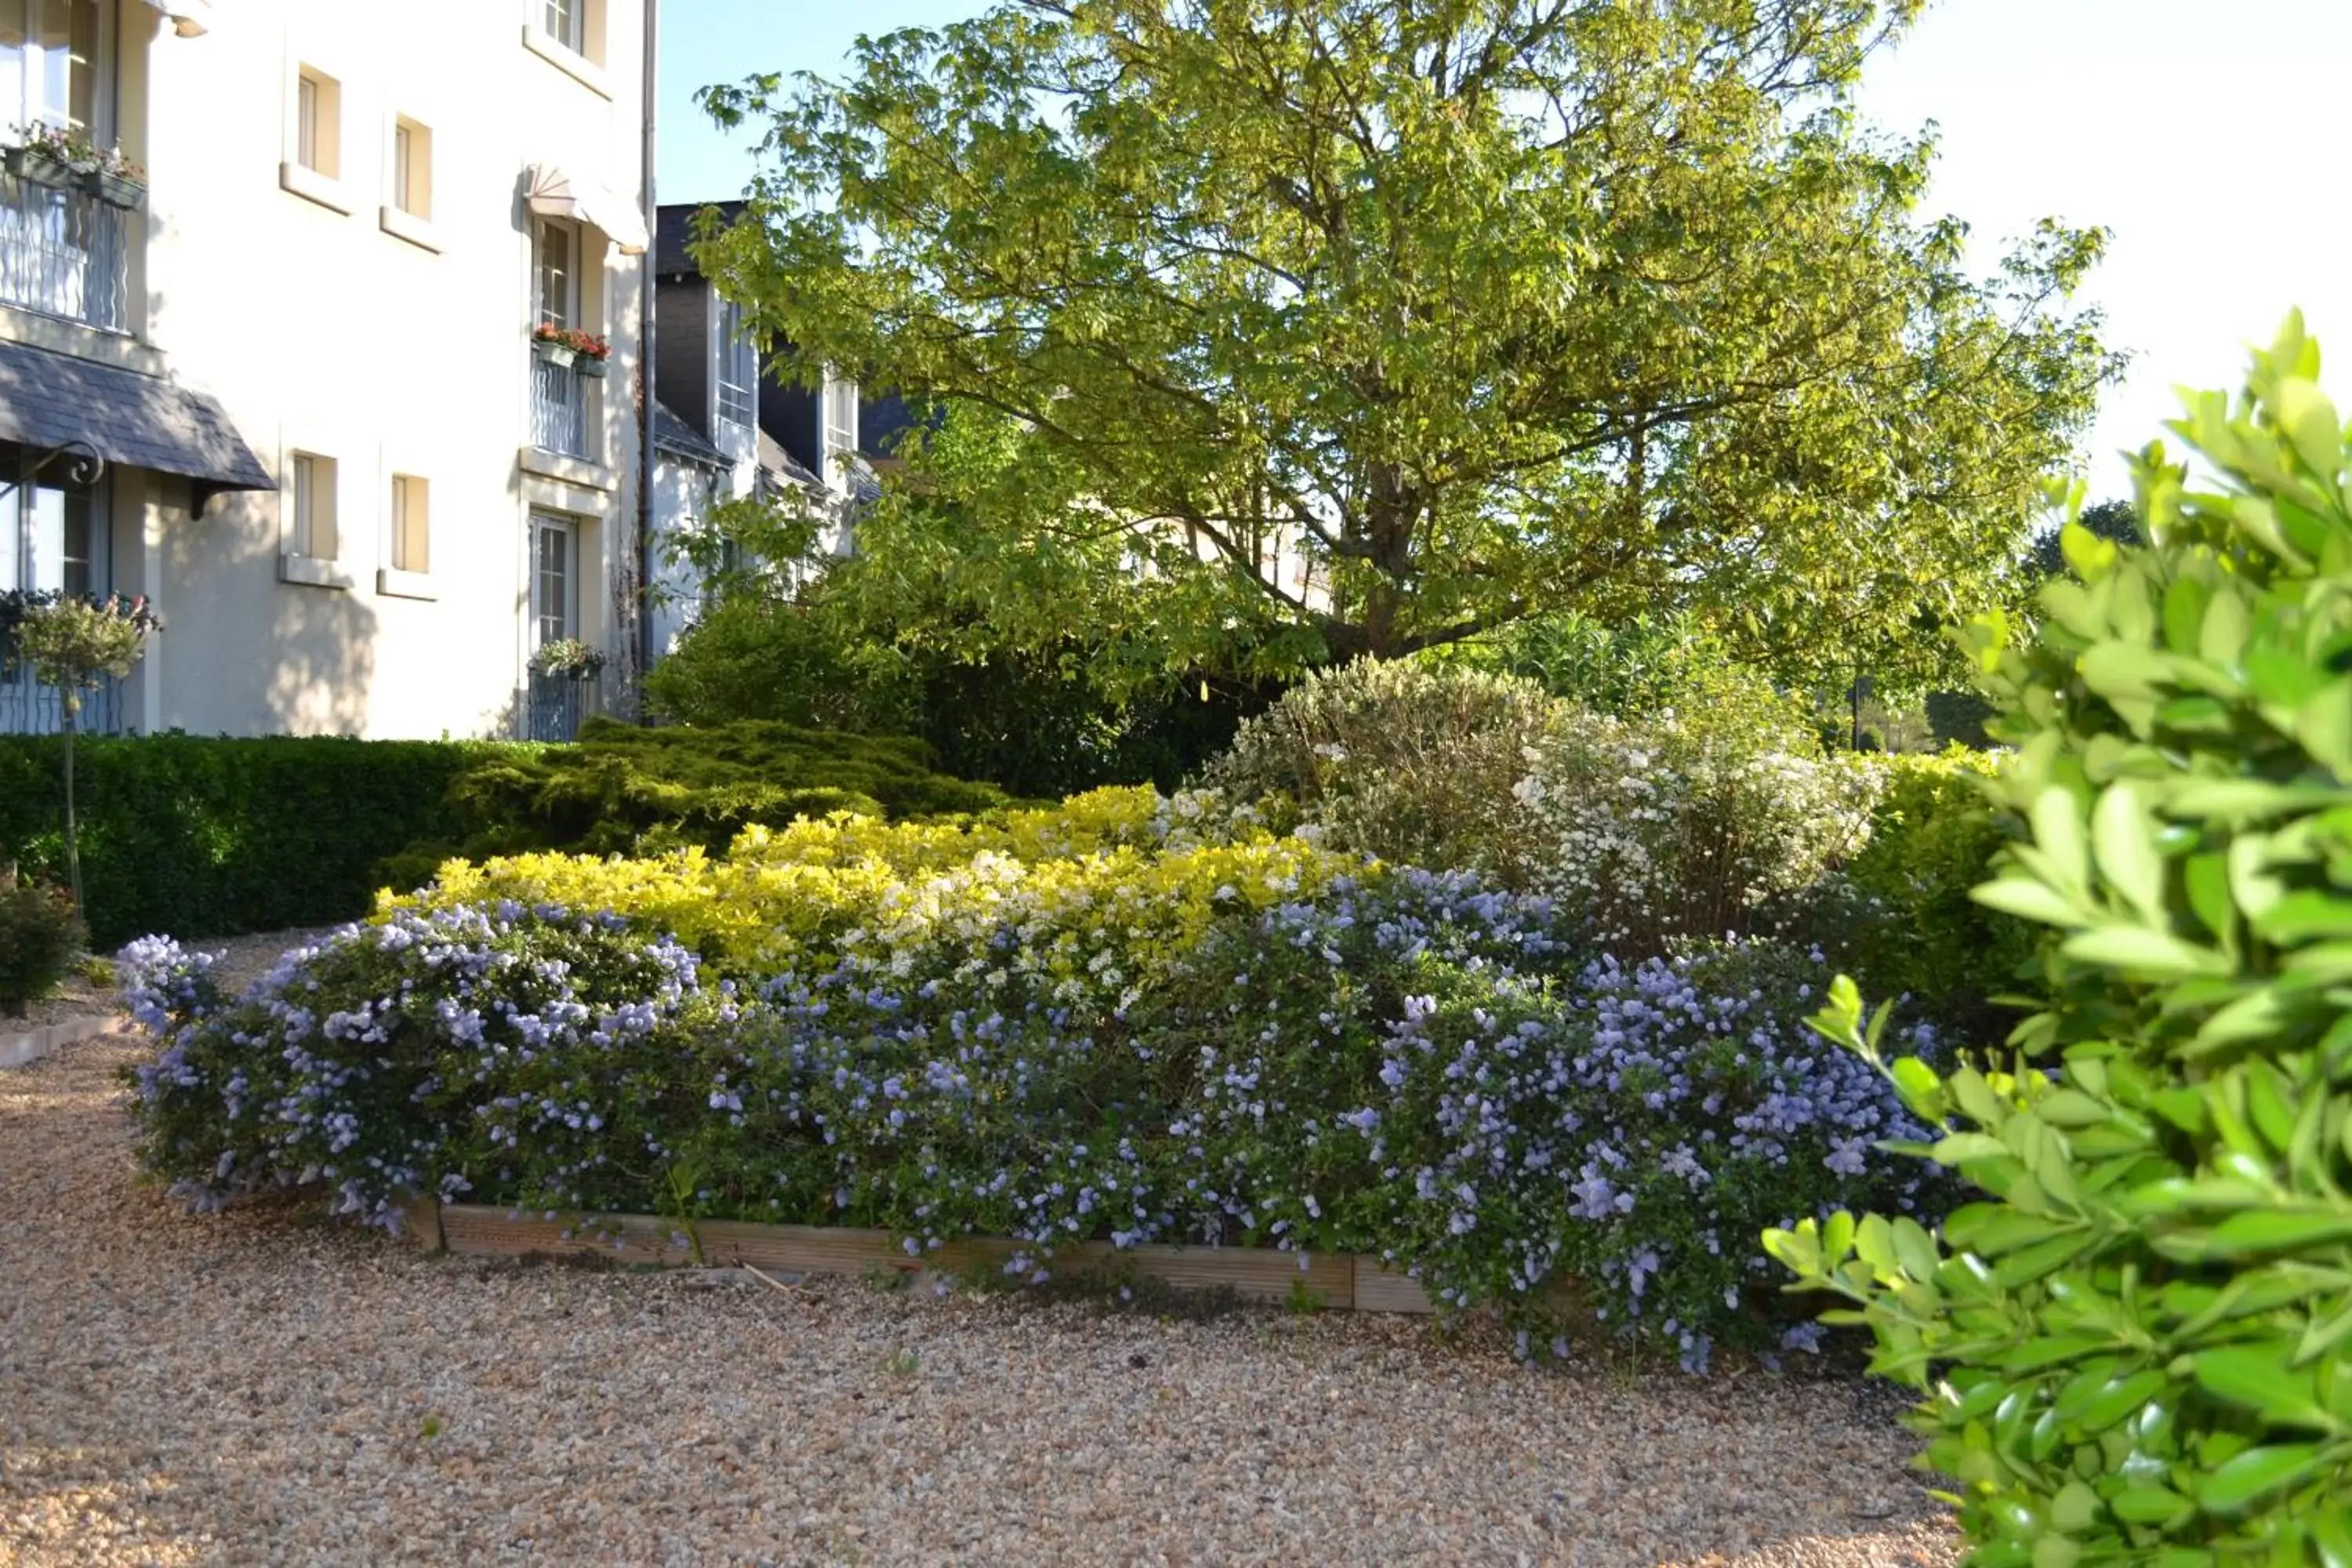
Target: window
x=412, y=168
x=310, y=507
x=50, y=539
x=318, y=123
x=412, y=533
x=558, y=286
x=52, y=52
x=565, y=23
x=554, y=601
x=840, y=423
x=739, y=368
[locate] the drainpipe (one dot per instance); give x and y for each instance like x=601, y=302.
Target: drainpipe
x=647, y=270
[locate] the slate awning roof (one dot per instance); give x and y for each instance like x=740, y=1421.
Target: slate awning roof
x=675, y=437
x=782, y=467
x=133, y=421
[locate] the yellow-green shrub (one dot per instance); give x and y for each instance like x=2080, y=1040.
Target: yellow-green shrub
x=1900, y=917
x=1109, y=878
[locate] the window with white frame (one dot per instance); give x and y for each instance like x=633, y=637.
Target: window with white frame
x=412, y=168
x=412, y=524
x=739, y=368
x=840, y=423
x=51, y=537
x=554, y=579
x=566, y=21
x=311, y=506
x=318, y=122
x=556, y=288
x=53, y=55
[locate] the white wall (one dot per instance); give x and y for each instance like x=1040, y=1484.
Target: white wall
x=318, y=329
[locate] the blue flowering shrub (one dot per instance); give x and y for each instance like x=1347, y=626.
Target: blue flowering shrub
x=1127, y=1032
x=418, y=1056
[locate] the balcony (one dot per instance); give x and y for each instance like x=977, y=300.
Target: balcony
x=555, y=702
x=65, y=252
x=29, y=708
x=559, y=409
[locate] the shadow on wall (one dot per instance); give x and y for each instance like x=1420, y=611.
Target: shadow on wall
x=245, y=652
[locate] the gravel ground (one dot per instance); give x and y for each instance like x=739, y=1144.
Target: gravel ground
x=87, y=991
x=259, y=1387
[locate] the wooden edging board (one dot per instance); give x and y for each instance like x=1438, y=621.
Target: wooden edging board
x=1338, y=1281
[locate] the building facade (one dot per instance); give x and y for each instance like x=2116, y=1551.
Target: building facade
x=358, y=368
x=729, y=427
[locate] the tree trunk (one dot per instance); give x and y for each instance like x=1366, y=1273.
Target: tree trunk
x=72, y=707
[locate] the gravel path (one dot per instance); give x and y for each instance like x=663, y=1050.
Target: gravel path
x=260, y=1388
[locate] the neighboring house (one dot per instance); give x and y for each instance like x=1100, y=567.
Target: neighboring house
x=305, y=361
x=729, y=429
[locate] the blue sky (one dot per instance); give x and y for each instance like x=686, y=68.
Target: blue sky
x=2208, y=137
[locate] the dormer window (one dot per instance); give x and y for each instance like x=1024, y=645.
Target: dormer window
x=840, y=427
x=739, y=368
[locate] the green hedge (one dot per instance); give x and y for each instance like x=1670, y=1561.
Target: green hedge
x=625, y=790
x=205, y=837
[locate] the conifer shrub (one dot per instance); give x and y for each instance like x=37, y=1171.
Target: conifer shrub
x=623, y=789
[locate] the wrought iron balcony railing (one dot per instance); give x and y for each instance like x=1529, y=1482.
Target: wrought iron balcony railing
x=65, y=252
x=29, y=708
x=555, y=702
x=559, y=408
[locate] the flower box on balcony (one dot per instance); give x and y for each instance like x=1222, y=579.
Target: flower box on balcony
x=593, y=367
x=560, y=356
x=41, y=168
x=115, y=191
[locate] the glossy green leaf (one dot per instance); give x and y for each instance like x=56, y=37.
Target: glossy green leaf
x=2256, y=1474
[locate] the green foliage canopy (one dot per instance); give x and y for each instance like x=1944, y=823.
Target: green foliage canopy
x=1486, y=305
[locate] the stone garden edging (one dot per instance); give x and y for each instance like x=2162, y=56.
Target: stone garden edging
x=18, y=1051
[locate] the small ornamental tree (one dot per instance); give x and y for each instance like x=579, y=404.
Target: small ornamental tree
x=2138, y=1347
x=73, y=644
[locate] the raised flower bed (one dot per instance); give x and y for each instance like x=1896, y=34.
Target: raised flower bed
x=1117, y=1034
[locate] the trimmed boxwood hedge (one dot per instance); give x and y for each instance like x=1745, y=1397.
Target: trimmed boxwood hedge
x=201, y=837
x=209, y=836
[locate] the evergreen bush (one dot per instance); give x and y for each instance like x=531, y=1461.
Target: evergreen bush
x=621, y=789
x=2137, y=1345
x=40, y=935
x=209, y=836
x=1413, y=762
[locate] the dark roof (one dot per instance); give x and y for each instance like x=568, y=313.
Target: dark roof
x=674, y=231
x=50, y=400
x=782, y=465
x=882, y=418
x=674, y=435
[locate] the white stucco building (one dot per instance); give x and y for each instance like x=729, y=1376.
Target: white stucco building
x=331, y=452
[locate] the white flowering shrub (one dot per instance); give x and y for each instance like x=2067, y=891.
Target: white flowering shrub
x=1686, y=825
x=1709, y=820
x=1413, y=762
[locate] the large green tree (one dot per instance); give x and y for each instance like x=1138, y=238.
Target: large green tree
x=1493, y=306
